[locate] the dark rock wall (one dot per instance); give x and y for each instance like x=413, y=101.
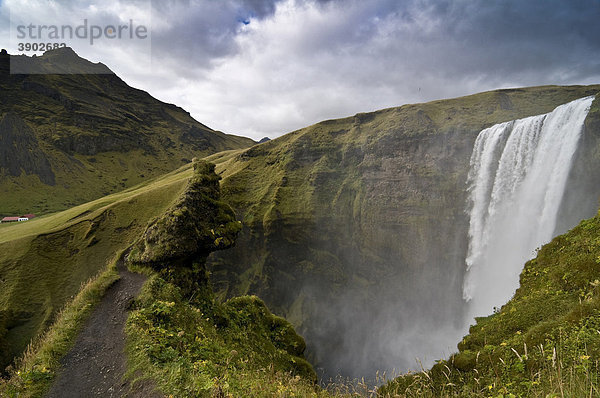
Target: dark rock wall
x=20, y=151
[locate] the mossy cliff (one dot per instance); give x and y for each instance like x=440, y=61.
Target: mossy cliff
x=359, y=224
x=70, y=138
x=20, y=151
x=196, y=225
x=179, y=328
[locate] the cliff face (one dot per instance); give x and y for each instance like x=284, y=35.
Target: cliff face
x=91, y=133
x=355, y=229
x=20, y=151
x=176, y=327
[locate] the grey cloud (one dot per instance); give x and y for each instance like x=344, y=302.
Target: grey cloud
x=356, y=55
x=201, y=32
x=518, y=37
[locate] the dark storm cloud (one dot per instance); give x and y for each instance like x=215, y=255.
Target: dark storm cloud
x=198, y=32
x=518, y=36
x=194, y=33
x=507, y=38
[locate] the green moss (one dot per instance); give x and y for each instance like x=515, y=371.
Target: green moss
x=465, y=360
x=188, y=343
x=200, y=348
x=177, y=242
x=196, y=224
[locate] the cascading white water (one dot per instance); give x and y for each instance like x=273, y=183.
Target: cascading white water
x=517, y=178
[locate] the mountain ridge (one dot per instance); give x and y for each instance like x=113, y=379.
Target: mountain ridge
x=98, y=134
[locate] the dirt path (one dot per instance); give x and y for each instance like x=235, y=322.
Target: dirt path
x=96, y=364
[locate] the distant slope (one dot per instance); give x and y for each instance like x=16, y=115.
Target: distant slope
x=361, y=221
x=70, y=138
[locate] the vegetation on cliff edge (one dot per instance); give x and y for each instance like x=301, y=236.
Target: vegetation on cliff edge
x=544, y=342
x=187, y=342
x=45, y=261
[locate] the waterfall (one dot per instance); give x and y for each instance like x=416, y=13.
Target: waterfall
x=517, y=177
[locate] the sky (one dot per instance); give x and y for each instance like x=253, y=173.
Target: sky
x=264, y=68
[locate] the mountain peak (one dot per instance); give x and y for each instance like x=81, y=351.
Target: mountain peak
x=65, y=52
x=77, y=119
x=62, y=60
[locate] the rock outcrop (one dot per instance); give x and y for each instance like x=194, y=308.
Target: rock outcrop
x=178, y=243
x=20, y=151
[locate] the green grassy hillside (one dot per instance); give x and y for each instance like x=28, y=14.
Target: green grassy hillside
x=357, y=218
x=67, y=139
x=544, y=341
x=45, y=261
x=179, y=336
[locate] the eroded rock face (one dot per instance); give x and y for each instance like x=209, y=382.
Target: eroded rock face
x=178, y=243
x=380, y=227
x=20, y=151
